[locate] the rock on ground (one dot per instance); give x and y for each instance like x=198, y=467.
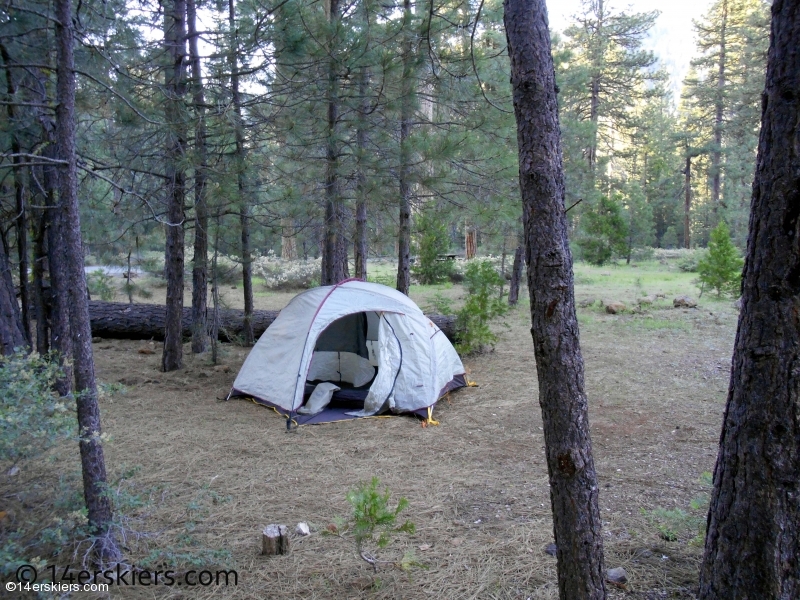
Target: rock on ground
x=615, y=307
x=617, y=575
x=684, y=302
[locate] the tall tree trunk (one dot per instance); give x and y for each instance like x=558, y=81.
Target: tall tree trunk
x=573, y=481
x=215, y=296
x=60, y=327
x=21, y=221
x=719, y=107
x=241, y=159
x=41, y=309
x=406, y=104
x=288, y=240
x=598, y=55
x=335, y=249
x=470, y=241
x=22, y=248
x=60, y=320
x=516, y=276
x=687, y=202
x=200, y=262
x=98, y=503
x=175, y=85
x=752, y=547
x=360, y=250
x=12, y=334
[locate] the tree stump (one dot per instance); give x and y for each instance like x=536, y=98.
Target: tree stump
x=275, y=540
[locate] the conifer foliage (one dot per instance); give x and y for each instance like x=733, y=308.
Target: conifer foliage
x=721, y=267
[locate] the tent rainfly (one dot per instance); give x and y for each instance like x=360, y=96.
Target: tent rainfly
x=349, y=350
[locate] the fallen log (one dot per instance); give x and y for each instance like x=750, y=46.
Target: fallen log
x=117, y=320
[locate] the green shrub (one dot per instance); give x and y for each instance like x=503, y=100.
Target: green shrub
x=678, y=524
x=483, y=304
x=689, y=260
x=439, y=305
x=373, y=522
x=101, y=285
x=432, y=241
x=642, y=254
x=281, y=274
x=721, y=267
x=603, y=232
x=33, y=418
x=152, y=263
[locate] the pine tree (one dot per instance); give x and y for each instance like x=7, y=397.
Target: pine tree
x=604, y=232
x=722, y=107
x=608, y=70
x=721, y=267
x=752, y=546
x=554, y=326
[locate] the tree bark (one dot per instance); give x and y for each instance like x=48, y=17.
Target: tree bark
x=752, y=547
x=200, y=261
x=244, y=204
x=573, y=481
x=117, y=320
x=470, y=241
x=719, y=108
x=60, y=328
x=594, y=86
x=40, y=305
x=60, y=321
x=288, y=240
x=516, y=276
x=687, y=202
x=12, y=334
x=174, y=40
x=404, y=228
x=334, y=261
x=98, y=503
x=360, y=250
x=21, y=221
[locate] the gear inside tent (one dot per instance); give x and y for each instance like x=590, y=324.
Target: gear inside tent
x=354, y=349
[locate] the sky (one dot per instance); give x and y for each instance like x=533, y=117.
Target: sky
x=671, y=39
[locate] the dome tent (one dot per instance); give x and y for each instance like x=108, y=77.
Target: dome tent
x=369, y=339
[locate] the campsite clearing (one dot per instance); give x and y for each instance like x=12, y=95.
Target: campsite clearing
x=216, y=473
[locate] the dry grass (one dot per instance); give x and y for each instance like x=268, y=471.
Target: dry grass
x=477, y=483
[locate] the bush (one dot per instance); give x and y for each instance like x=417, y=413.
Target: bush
x=689, y=260
x=101, y=285
x=33, y=418
x=152, y=263
x=432, y=241
x=439, y=305
x=721, y=267
x=482, y=305
x=280, y=274
x=671, y=253
x=373, y=521
x=642, y=254
x=604, y=232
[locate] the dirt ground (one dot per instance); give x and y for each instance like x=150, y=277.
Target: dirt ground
x=217, y=472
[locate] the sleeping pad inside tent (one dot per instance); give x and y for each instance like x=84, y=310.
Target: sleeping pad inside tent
x=350, y=350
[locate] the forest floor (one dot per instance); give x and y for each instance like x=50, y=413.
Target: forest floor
x=216, y=472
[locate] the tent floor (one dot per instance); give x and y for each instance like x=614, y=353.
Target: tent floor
x=345, y=400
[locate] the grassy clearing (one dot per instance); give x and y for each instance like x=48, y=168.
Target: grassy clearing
x=628, y=283
x=477, y=486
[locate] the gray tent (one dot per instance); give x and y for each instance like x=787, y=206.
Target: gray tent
x=369, y=340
